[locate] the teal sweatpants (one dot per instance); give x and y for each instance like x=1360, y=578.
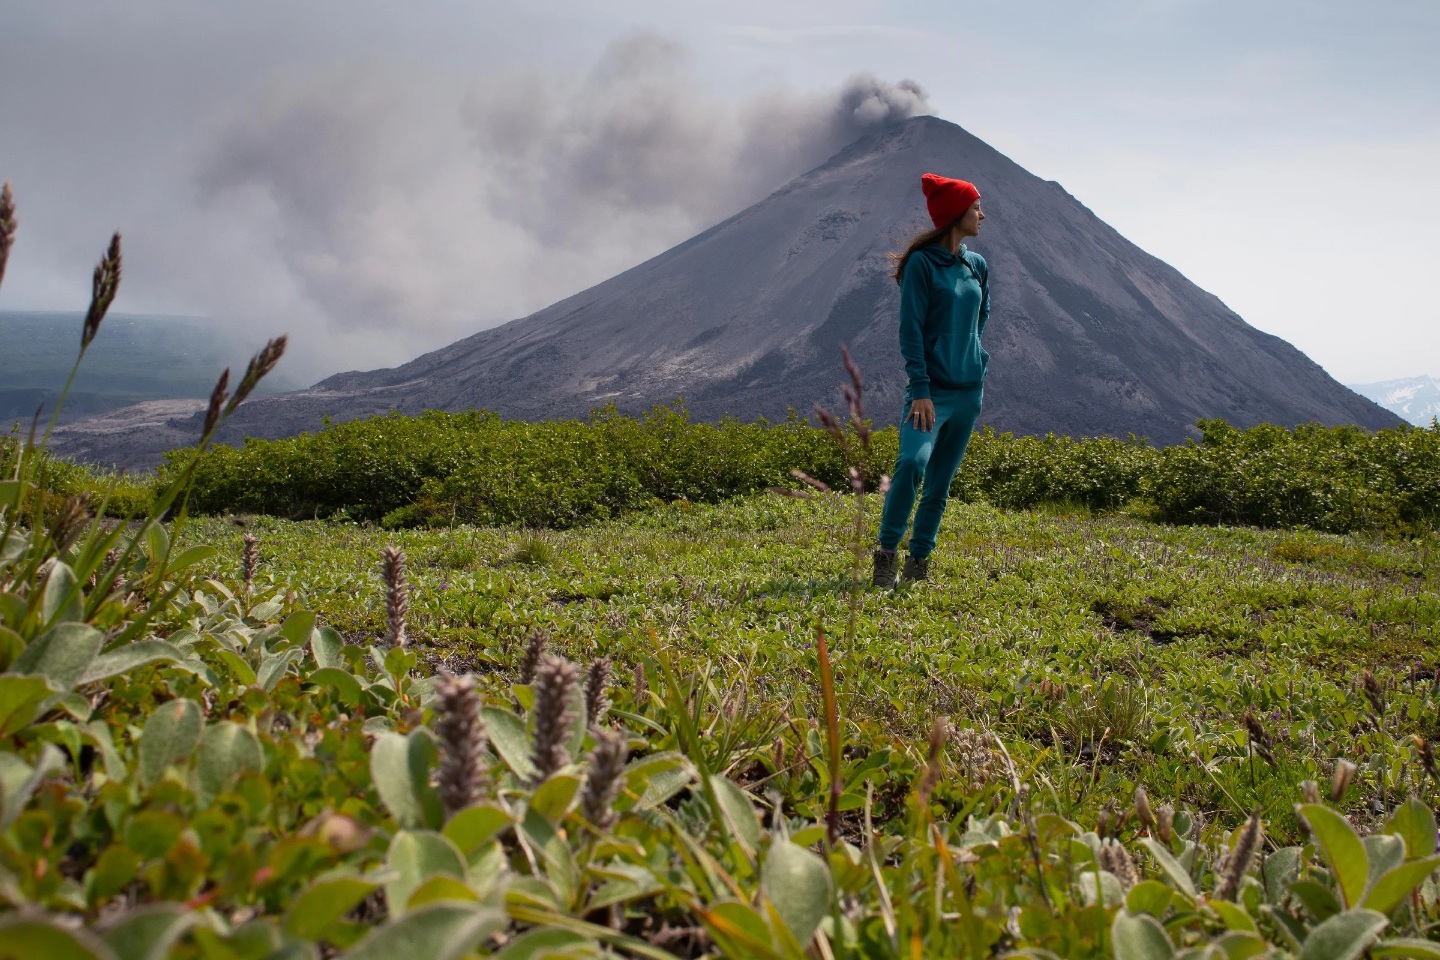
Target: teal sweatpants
x=932, y=456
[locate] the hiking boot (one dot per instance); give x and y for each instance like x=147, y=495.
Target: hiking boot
x=916, y=568
x=882, y=574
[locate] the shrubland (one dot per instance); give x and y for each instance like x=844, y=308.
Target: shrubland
x=686, y=731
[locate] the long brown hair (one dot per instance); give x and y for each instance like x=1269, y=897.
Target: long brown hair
x=922, y=239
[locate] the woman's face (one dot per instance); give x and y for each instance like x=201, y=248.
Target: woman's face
x=970, y=223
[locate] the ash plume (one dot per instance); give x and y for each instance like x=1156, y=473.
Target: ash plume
x=399, y=200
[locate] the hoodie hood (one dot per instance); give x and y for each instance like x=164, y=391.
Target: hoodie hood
x=940, y=256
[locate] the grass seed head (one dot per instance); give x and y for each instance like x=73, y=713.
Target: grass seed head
x=1425, y=751
x=602, y=777
x=463, y=777
x=217, y=402
x=260, y=365
x=1310, y=791
x=103, y=287
x=555, y=683
x=597, y=694
x=1260, y=740
x=1239, y=861
x=397, y=595
x=934, y=753
x=70, y=522
x=8, y=225
x=250, y=561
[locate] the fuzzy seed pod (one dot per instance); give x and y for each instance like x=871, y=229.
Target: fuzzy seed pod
x=463, y=777
x=597, y=696
x=1374, y=693
x=642, y=687
x=250, y=562
x=1165, y=822
x=602, y=777
x=1341, y=778
x=1143, y=813
x=1310, y=791
x=555, y=683
x=935, y=751
x=1425, y=750
x=1115, y=859
x=397, y=595
x=1239, y=861
x=74, y=514
x=534, y=653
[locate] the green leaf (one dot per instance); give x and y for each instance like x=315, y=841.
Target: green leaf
x=1318, y=899
x=20, y=697
x=442, y=931
x=1407, y=948
x=152, y=833
x=148, y=933
x=414, y=857
x=1414, y=823
x=61, y=654
x=474, y=826
x=738, y=812
x=274, y=667
x=508, y=737
x=1139, y=937
x=1387, y=892
x=298, y=627
x=438, y=889
x=169, y=735
x=130, y=657
x=1237, y=945
x=1148, y=896
x=189, y=558
x=798, y=883
x=239, y=668
x=341, y=681
x=1384, y=853
x=19, y=780
x=1233, y=916
x=1178, y=875
x=62, y=601
x=652, y=780
x=554, y=798
x=543, y=942
x=400, y=767
x=32, y=938
x=325, y=645
x=316, y=909
x=1343, y=850
x=266, y=610
x=226, y=750
x=740, y=924
x=1345, y=935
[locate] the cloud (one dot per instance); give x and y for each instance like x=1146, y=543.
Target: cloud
x=404, y=200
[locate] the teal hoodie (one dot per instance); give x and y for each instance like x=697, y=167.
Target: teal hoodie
x=944, y=305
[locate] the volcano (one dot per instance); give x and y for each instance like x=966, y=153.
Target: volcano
x=1088, y=334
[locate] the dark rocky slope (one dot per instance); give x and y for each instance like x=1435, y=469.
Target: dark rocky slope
x=1088, y=333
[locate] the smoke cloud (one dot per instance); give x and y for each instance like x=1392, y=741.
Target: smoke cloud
x=416, y=208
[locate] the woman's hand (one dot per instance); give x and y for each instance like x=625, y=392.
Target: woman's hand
x=922, y=415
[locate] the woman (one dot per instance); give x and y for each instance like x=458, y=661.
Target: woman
x=944, y=304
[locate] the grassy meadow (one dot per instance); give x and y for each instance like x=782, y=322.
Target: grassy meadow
x=1107, y=651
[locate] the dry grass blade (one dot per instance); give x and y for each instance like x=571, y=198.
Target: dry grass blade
x=832, y=733
x=260, y=364
x=8, y=225
x=102, y=291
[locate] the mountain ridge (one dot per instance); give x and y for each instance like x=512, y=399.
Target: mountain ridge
x=1089, y=334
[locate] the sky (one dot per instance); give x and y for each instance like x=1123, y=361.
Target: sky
x=382, y=178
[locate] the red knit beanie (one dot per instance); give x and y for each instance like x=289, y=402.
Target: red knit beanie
x=947, y=199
